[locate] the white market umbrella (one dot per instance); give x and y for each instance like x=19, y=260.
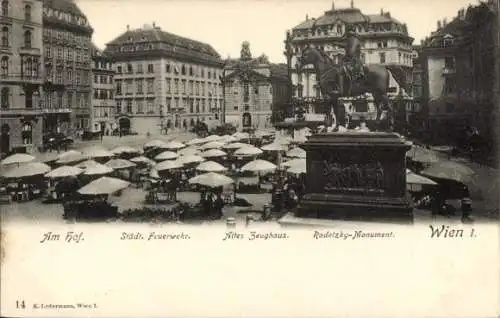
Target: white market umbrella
x=449, y=170
x=212, y=145
x=211, y=179
x=155, y=144
x=212, y=153
x=97, y=152
x=70, y=156
x=263, y=133
x=294, y=162
x=120, y=164
x=190, y=159
x=212, y=138
x=241, y=135
x=298, y=168
x=283, y=140
x=248, y=151
x=274, y=147
x=166, y=155
x=127, y=150
x=188, y=151
x=104, y=185
x=413, y=178
x=258, y=165
x=142, y=159
x=421, y=154
x=64, y=171
x=228, y=138
x=211, y=166
x=27, y=170
x=86, y=164
x=195, y=141
x=296, y=153
x=97, y=170
x=236, y=145
x=168, y=165
x=174, y=145
x=154, y=174
x=18, y=158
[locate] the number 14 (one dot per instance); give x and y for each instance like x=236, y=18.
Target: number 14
x=20, y=304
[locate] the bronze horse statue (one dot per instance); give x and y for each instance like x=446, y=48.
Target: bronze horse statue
x=334, y=81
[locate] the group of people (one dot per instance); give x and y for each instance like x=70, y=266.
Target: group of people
x=212, y=203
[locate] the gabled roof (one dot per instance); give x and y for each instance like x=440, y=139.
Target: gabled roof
x=67, y=6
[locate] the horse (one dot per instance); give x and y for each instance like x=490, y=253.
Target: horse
x=333, y=80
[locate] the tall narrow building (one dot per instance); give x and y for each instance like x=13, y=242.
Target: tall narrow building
x=164, y=81
x=20, y=75
x=67, y=62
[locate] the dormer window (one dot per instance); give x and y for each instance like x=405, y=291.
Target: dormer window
x=130, y=39
x=447, y=40
x=339, y=29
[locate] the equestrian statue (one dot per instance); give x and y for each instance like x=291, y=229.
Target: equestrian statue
x=351, y=78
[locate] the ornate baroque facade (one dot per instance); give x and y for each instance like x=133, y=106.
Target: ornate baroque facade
x=385, y=40
x=164, y=81
x=67, y=67
x=103, y=89
x=253, y=89
x=20, y=74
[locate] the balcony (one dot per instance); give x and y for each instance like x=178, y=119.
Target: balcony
x=60, y=110
x=21, y=111
x=21, y=78
x=30, y=51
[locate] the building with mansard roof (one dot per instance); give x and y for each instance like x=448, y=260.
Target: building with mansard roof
x=254, y=88
x=20, y=75
x=67, y=94
x=384, y=40
x=164, y=81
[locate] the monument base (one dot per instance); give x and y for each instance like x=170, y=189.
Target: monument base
x=358, y=176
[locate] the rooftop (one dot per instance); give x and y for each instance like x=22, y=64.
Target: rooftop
x=68, y=6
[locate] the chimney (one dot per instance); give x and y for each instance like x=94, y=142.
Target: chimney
x=439, y=25
x=444, y=22
x=352, y=4
x=382, y=11
x=154, y=24
x=307, y=17
x=128, y=27
x=333, y=5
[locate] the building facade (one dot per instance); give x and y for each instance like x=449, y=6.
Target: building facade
x=253, y=89
x=459, y=78
x=384, y=40
x=103, y=91
x=164, y=81
x=20, y=74
x=67, y=67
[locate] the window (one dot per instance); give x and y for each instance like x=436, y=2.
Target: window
x=129, y=68
x=139, y=68
x=183, y=87
x=150, y=83
x=27, y=12
x=190, y=71
x=118, y=106
x=27, y=134
x=197, y=106
x=246, y=93
x=59, y=102
x=183, y=69
x=4, y=65
x=339, y=29
x=48, y=51
x=176, y=86
x=140, y=107
x=202, y=72
x=78, y=78
x=168, y=85
x=5, y=8
x=151, y=109
x=363, y=58
x=70, y=76
x=4, y=99
x=167, y=68
x=28, y=99
x=119, y=69
x=191, y=105
x=5, y=36
x=203, y=105
x=300, y=90
x=128, y=87
x=150, y=68
x=129, y=106
x=449, y=62
x=382, y=57
x=139, y=87
x=118, y=87
x=69, y=97
x=449, y=85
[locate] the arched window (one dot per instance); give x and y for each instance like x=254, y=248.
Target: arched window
x=5, y=36
x=5, y=8
x=4, y=98
x=27, y=39
x=4, y=65
x=27, y=134
x=27, y=12
x=190, y=71
x=183, y=70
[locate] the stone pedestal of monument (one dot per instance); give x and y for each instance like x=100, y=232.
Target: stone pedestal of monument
x=356, y=176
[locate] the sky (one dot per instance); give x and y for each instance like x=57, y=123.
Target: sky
x=225, y=24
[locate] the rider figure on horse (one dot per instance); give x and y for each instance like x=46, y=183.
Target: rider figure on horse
x=352, y=58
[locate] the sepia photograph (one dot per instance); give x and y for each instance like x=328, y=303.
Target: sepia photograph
x=243, y=114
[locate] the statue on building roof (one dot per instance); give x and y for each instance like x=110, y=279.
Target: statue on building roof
x=263, y=59
x=245, y=53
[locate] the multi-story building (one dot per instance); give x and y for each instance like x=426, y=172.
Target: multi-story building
x=67, y=66
x=416, y=91
x=103, y=89
x=20, y=74
x=459, y=78
x=384, y=40
x=253, y=89
x=164, y=81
